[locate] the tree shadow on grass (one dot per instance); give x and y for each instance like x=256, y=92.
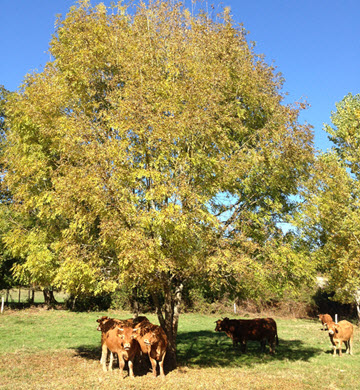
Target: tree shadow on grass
x=89, y=352
x=210, y=349
x=141, y=363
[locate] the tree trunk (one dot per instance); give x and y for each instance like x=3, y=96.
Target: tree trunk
x=49, y=298
x=31, y=295
x=134, y=303
x=357, y=300
x=169, y=320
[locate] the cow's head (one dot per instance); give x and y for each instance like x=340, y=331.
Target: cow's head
x=333, y=328
x=222, y=325
x=218, y=326
x=150, y=338
x=102, y=321
x=127, y=336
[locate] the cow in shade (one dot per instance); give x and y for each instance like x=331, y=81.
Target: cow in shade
x=257, y=329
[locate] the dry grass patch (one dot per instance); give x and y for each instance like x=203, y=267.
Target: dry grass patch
x=69, y=370
x=41, y=349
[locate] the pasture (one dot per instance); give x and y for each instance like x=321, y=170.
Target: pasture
x=56, y=349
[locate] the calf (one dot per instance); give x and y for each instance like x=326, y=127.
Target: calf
x=106, y=324
x=153, y=341
x=339, y=333
x=129, y=348
x=325, y=320
x=258, y=329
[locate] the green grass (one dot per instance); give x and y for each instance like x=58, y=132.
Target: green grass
x=13, y=297
x=55, y=349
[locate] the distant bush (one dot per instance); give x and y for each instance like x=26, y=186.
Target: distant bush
x=89, y=303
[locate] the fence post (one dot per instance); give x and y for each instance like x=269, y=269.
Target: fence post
x=336, y=318
x=2, y=304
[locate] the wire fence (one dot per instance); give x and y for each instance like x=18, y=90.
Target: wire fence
x=28, y=295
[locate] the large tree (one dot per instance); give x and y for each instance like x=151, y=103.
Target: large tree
x=6, y=260
x=330, y=214
x=154, y=147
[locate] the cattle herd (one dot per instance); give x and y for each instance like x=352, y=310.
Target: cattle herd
x=342, y=332
x=128, y=338
x=138, y=337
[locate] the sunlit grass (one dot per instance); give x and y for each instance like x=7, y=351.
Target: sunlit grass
x=50, y=349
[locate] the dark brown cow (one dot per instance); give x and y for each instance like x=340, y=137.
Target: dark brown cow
x=258, y=329
x=339, y=333
x=325, y=320
x=153, y=341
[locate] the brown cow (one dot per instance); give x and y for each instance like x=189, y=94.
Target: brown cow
x=325, y=320
x=130, y=348
x=106, y=324
x=341, y=332
x=153, y=341
x=258, y=329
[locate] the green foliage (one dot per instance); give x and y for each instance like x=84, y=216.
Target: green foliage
x=345, y=132
x=88, y=303
x=154, y=147
x=6, y=259
x=330, y=216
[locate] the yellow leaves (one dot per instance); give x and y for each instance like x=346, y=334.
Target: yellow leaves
x=120, y=145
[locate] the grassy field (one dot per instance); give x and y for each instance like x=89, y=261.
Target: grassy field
x=55, y=349
x=22, y=295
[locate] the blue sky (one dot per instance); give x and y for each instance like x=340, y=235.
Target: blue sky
x=315, y=44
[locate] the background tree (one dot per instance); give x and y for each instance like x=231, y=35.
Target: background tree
x=6, y=260
x=330, y=215
x=154, y=147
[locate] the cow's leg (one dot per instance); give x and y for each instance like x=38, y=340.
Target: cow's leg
x=111, y=361
x=153, y=365
x=104, y=356
x=131, y=369
x=121, y=365
x=334, y=347
x=161, y=365
x=340, y=348
x=263, y=345
x=243, y=346
x=272, y=344
x=351, y=345
x=348, y=346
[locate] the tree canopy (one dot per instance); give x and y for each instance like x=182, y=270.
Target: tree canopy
x=330, y=214
x=155, y=146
